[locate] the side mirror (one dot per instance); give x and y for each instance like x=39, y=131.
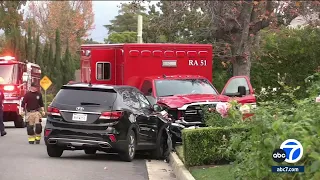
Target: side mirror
x=156, y=107
x=242, y=91
x=25, y=77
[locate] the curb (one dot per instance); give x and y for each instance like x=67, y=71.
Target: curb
x=179, y=169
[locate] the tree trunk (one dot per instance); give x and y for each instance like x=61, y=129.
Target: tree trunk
x=242, y=66
x=242, y=44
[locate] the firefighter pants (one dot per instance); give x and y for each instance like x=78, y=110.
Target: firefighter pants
x=34, y=127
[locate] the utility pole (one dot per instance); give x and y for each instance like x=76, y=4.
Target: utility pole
x=139, y=34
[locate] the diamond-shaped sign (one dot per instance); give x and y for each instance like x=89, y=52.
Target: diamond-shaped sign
x=45, y=83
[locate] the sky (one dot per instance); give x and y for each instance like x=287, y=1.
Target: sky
x=104, y=11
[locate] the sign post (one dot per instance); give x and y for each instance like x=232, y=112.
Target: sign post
x=45, y=83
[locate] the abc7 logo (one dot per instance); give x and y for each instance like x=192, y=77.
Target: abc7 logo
x=279, y=155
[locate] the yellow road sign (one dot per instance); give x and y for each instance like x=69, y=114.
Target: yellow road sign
x=45, y=83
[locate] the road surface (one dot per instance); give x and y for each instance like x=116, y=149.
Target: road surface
x=22, y=161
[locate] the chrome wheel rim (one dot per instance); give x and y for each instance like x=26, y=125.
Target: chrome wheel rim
x=131, y=146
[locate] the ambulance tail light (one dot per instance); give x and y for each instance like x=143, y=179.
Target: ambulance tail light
x=53, y=111
x=114, y=115
x=8, y=88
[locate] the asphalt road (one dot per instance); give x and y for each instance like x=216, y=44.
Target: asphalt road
x=22, y=161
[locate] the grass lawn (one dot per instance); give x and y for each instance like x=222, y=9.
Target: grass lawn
x=208, y=172
x=212, y=173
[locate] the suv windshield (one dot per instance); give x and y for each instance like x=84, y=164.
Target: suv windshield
x=85, y=96
x=183, y=87
x=8, y=74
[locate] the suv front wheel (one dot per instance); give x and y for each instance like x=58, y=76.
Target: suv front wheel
x=129, y=152
x=54, y=151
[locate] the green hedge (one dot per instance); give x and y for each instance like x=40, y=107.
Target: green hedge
x=209, y=145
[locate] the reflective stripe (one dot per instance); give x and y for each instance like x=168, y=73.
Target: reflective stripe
x=11, y=101
x=31, y=139
x=38, y=138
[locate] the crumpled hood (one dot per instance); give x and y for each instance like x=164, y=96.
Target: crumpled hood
x=180, y=100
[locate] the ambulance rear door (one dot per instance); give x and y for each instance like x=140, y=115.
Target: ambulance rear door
x=103, y=66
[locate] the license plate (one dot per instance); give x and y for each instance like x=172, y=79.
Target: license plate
x=79, y=117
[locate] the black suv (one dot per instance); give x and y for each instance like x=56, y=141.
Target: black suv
x=104, y=118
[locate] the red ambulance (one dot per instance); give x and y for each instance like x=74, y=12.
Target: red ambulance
x=175, y=76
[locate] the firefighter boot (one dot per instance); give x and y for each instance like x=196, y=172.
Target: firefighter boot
x=38, y=131
x=38, y=138
x=31, y=134
x=31, y=139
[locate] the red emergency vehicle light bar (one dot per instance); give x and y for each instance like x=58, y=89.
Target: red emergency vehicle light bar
x=7, y=58
x=8, y=88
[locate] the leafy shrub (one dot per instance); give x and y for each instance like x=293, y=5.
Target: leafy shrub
x=291, y=52
x=208, y=145
x=273, y=123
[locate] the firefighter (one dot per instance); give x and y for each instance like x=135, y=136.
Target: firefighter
x=32, y=104
x=2, y=130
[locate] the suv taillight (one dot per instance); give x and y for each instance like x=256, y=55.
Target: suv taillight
x=111, y=115
x=53, y=111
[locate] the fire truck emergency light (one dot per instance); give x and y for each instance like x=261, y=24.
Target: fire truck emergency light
x=169, y=63
x=7, y=58
x=8, y=88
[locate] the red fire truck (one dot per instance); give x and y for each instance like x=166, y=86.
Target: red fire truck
x=175, y=76
x=15, y=80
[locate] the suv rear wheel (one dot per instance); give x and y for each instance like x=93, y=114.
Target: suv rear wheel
x=54, y=151
x=90, y=151
x=128, y=154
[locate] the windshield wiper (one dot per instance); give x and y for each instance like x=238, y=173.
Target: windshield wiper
x=172, y=95
x=89, y=103
x=167, y=95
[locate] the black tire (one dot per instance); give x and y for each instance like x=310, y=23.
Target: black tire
x=19, y=123
x=54, y=151
x=90, y=151
x=158, y=153
x=129, y=153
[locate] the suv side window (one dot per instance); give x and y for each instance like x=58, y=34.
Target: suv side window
x=143, y=101
x=146, y=88
x=130, y=99
x=126, y=97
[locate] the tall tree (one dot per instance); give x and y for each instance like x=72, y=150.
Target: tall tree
x=74, y=19
x=45, y=60
x=37, y=56
x=10, y=22
x=89, y=41
x=231, y=25
x=121, y=37
x=57, y=62
x=123, y=28
x=68, y=66
x=29, y=46
x=51, y=64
